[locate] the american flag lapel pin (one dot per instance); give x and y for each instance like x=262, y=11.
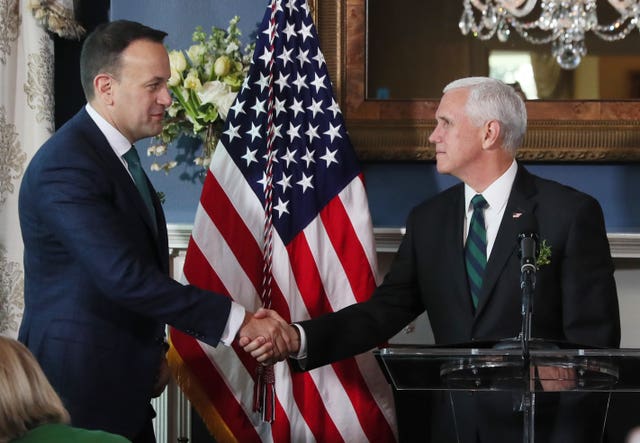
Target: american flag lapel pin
x=516, y=214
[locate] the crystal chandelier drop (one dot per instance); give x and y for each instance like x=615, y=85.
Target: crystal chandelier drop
x=563, y=23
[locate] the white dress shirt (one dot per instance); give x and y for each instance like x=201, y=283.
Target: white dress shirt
x=496, y=196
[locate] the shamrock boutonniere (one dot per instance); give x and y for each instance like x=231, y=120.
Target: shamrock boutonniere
x=544, y=254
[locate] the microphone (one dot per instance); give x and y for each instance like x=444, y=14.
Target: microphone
x=528, y=241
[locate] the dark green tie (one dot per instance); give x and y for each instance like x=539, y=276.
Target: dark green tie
x=475, y=251
x=140, y=179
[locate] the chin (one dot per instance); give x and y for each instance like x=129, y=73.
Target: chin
x=441, y=168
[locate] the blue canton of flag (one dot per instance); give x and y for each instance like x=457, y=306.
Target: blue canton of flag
x=313, y=158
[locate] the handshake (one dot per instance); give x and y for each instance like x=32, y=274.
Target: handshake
x=268, y=337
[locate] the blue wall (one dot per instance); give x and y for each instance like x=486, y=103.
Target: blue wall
x=393, y=187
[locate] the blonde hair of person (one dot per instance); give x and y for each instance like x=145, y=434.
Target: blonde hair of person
x=27, y=399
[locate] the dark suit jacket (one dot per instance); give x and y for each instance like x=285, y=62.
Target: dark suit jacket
x=97, y=285
x=575, y=297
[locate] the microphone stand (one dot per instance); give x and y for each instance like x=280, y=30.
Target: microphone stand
x=527, y=286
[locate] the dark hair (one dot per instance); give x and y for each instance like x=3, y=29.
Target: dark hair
x=102, y=49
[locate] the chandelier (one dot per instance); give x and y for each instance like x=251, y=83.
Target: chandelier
x=563, y=23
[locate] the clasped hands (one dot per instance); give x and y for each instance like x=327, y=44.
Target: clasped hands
x=267, y=337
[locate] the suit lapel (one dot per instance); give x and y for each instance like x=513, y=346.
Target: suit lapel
x=521, y=200
x=114, y=168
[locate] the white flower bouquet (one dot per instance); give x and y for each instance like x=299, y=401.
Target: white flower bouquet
x=205, y=80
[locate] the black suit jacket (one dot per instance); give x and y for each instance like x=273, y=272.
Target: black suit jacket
x=575, y=297
x=97, y=287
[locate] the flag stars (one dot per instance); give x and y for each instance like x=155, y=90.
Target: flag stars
x=286, y=56
x=289, y=157
x=316, y=107
x=237, y=107
x=308, y=157
x=279, y=106
x=303, y=57
x=291, y=6
x=306, y=8
x=285, y=182
x=301, y=82
x=312, y=132
x=333, y=132
x=268, y=31
x=276, y=131
x=274, y=159
x=250, y=156
x=263, y=82
x=289, y=31
x=305, y=182
x=282, y=207
x=282, y=82
x=330, y=157
x=255, y=131
x=266, y=56
x=335, y=108
x=259, y=107
x=293, y=132
x=319, y=58
x=264, y=181
x=232, y=132
x=296, y=107
x=245, y=84
x=305, y=31
x=318, y=82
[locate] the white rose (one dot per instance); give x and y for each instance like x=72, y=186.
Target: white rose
x=225, y=103
x=219, y=94
x=211, y=92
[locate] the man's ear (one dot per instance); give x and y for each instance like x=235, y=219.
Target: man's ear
x=491, y=135
x=102, y=84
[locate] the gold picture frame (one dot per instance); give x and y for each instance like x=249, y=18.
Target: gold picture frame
x=398, y=130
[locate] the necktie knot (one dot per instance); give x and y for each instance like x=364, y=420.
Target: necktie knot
x=478, y=202
x=132, y=157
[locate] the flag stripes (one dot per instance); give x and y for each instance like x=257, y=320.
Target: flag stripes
x=322, y=253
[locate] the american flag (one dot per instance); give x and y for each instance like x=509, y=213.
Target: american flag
x=283, y=220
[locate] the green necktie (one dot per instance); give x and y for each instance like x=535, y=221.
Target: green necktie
x=475, y=250
x=140, y=179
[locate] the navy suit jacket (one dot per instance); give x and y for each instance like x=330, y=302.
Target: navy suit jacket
x=575, y=297
x=97, y=287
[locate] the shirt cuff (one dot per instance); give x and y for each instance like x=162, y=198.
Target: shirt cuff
x=234, y=322
x=302, y=351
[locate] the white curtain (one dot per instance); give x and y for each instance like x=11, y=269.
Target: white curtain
x=26, y=121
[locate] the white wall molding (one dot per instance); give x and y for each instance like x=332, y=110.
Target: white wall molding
x=623, y=245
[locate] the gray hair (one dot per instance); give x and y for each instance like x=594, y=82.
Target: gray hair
x=491, y=99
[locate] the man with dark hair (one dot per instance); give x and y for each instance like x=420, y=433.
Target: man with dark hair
x=97, y=287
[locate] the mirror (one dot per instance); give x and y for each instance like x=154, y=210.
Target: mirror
x=398, y=129
x=402, y=65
